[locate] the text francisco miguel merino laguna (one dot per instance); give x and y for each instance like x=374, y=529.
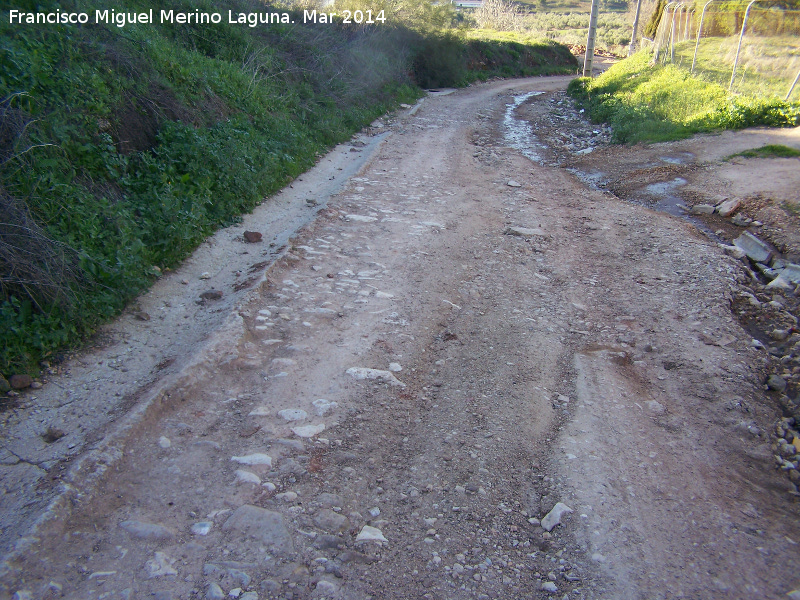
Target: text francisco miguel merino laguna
x=251, y=19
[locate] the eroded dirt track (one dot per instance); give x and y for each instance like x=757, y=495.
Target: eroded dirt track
x=531, y=341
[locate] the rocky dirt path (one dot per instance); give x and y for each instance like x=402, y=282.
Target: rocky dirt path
x=461, y=340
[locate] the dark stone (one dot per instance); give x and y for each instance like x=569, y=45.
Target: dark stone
x=53, y=434
x=326, y=542
x=211, y=295
x=20, y=382
x=252, y=237
x=355, y=557
x=776, y=383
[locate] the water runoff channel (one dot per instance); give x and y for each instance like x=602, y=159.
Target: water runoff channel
x=518, y=134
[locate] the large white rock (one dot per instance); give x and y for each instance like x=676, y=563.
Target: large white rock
x=307, y=431
x=553, y=518
x=370, y=534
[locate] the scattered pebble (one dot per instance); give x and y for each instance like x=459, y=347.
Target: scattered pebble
x=292, y=414
x=322, y=407
x=365, y=373
x=214, y=592
x=253, y=459
x=160, y=566
x=202, y=527
x=308, y=431
x=243, y=476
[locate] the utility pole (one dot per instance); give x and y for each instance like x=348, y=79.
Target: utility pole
x=632, y=47
x=587, y=63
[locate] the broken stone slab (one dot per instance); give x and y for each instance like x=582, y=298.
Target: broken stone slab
x=370, y=534
x=740, y=220
x=512, y=183
x=781, y=283
x=553, y=518
x=728, y=207
x=787, y=270
x=702, y=209
x=766, y=271
x=754, y=248
x=365, y=373
x=525, y=232
x=147, y=531
x=733, y=251
x=361, y=218
x=261, y=524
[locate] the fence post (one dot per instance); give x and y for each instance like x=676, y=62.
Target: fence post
x=589, y=58
x=672, y=35
x=699, y=31
x=632, y=47
x=739, y=47
x=791, y=89
x=661, y=35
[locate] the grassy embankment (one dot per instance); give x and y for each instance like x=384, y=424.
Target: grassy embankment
x=121, y=149
x=655, y=103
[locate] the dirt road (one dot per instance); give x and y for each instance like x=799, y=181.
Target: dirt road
x=460, y=340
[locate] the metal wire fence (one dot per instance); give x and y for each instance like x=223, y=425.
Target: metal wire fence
x=750, y=48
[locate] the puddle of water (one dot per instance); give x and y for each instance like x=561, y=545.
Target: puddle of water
x=665, y=187
x=595, y=179
x=682, y=158
x=518, y=134
x=666, y=199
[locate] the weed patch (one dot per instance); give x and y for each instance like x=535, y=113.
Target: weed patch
x=769, y=151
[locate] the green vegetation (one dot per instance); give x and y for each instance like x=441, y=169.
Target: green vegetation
x=646, y=103
x=564, y=21
x=121, y=149
x=770, y=151
x=613, y=29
